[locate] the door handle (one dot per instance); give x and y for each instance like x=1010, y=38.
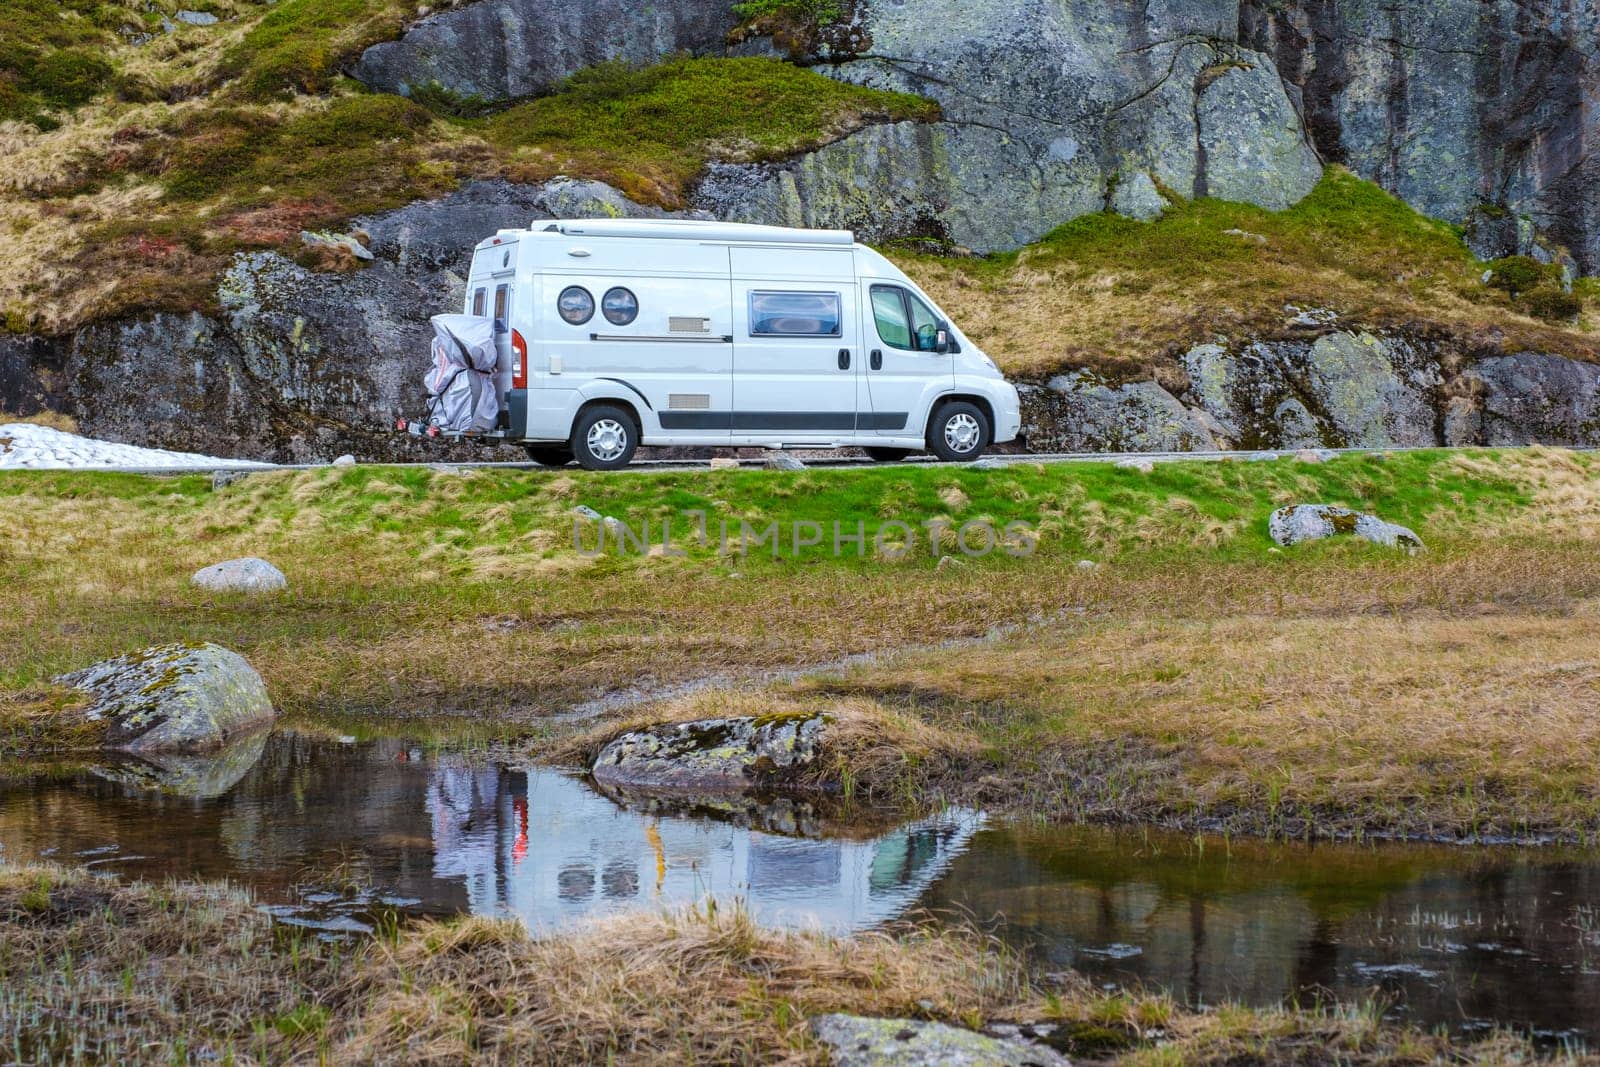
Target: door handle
x=844, y=359
x=877, y=359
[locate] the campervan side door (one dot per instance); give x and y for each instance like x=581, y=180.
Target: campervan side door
x=796, y=351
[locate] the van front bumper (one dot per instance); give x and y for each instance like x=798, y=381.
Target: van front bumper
x=1008, y=416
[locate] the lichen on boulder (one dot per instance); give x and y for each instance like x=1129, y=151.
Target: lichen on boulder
x=173, y=698
x=1314, y=522
x=711, y=755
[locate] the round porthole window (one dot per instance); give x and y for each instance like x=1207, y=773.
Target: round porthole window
x=575, y=305
x=619, y=306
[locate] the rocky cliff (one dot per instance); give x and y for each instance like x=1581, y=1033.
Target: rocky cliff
x=1479, y=112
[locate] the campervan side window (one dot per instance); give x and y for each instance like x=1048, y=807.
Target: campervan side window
x=783, y=314
x=502, y=308
x=479, y=300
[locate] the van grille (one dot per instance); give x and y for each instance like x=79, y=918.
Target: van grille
x=689, y=401
x=688, y=324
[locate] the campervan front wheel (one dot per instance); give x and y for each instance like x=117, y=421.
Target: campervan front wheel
x=604, y=438
x=958, y=431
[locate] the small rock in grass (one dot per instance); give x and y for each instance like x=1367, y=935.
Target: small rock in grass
x=584, y=511
x=346, y=460
x=1143, y=466
x=247, y=575
x=949, y=561
x=782, y=461
x=855, y=1041
x=175, y=698
x=223, y=479
x=1313, y=522
x=197, y=18
x=724, y=463
x=1088, y=565
x=1312, y=455
x=1246, y=235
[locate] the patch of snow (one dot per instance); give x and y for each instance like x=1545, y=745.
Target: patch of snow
x=26, y=446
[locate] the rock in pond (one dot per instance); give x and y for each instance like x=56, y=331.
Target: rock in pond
x=174, y=698
x=248, y=575
x=1313, y=522
x=859, y=1042
x=710, y=755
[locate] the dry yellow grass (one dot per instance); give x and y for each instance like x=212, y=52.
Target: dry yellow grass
x=1420, y=723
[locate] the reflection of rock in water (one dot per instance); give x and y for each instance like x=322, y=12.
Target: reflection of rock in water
x=209, y=775
x=770, y=814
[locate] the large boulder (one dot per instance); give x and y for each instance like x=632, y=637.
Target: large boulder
x=174, y=698
x=855, y=1041
x=503, y=49
x=1314, y=522
x=711, y=755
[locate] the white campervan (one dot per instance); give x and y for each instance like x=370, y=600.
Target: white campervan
x=615, y=333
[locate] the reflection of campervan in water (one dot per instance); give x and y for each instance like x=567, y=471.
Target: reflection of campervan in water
x=551, y=850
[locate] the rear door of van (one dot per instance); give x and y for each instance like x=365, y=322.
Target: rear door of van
x=796, y=361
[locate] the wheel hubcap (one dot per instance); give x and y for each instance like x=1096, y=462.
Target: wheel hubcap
x=607, y=440
x=961, y=433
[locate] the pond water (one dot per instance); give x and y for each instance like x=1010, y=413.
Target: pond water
x=327, y=832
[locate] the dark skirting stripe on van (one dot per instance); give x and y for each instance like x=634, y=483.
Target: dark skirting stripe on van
x=783, y=420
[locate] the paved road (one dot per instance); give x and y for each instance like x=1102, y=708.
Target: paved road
x=650, y=466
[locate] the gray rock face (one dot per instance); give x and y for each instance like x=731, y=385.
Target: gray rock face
x=861, y=1042
x=248, y=575
x=1049, y=109
x=712, y=755
x=1342, y=390
x=1314, y=522
x=501, y=49
x=1453, y=103
x=1538, y=399
x=175, y=698
x=1079, y=412
x=783, y=461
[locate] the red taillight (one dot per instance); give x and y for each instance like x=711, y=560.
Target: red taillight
x=519, y=361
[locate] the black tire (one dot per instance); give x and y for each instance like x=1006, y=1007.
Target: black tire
x=887, y=455
x=607, y=459
x=549, y=455
x=958, y=432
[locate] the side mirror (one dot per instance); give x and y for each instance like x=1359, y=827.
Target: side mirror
x=942, y=342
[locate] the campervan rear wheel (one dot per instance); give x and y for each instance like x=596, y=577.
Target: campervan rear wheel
x=549, y=455
x=604, y=438
x=888, y=455
x=958, y=432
